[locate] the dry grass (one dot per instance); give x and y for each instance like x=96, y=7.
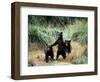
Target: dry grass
x=36, y=55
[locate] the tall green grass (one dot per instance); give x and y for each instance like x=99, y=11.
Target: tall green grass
x=46, y=35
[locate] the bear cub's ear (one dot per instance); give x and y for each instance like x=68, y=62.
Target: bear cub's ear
x=67, y=41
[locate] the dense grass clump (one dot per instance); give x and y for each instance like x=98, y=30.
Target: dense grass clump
x=81, y=33
x=41, y=35
x=83, y=59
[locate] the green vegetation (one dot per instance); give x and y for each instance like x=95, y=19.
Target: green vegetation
x=45, y=29
x=45, y=34
x=83, y=59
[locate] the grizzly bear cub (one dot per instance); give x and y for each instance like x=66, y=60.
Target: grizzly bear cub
x=49, y=53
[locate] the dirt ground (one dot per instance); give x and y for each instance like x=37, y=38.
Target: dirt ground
x=36, y=55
